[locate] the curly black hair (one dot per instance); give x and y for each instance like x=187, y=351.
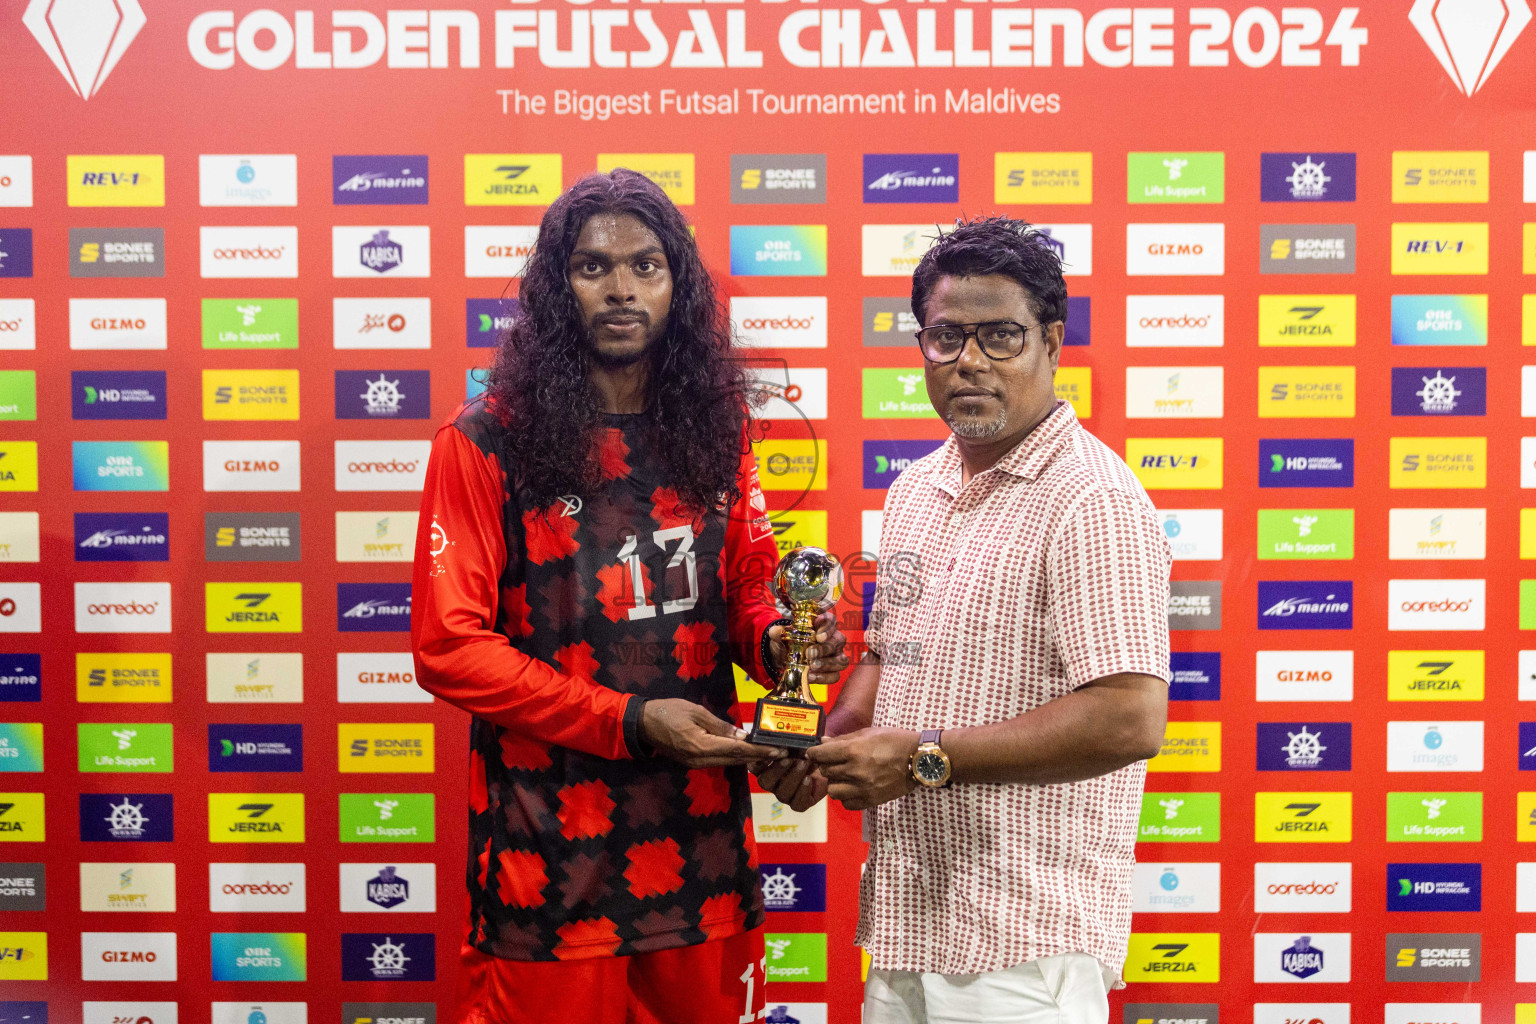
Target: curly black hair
x=540, y=383
x=996, y=245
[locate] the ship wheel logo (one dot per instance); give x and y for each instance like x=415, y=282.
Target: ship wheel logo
x=779, y=888
x=388, y=958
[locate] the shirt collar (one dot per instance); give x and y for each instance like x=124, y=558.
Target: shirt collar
x=1026, y=460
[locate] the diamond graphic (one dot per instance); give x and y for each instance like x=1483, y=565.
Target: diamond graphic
x=84, y=38
x=1470, y=37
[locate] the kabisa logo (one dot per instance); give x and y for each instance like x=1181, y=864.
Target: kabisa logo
x=1439, y=391
x=1303, y=746
x=122, y=537
x=794, y=887
x=388, y=889
x=1303, y=959
x=397, y=957
x=1196, y=675
x=126, y=817
x=1306, y=604
x=1469, y=39
x=1452, y=887
x=379, y=180
x=21, y=678
x=84, y=49
x=373, y=607
x=884, y=461
x=779, y=178
x=1307, y=177
x=255, y=748
x=381, y=253
x=383, y=394
x=487, y=320
x=911, y=177
x=117, y=395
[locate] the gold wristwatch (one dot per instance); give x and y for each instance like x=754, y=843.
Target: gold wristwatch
x=929, y=766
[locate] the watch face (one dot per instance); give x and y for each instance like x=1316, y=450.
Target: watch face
x=929, y=767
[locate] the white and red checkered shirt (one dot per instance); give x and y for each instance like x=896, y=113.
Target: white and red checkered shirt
x=1043, y=573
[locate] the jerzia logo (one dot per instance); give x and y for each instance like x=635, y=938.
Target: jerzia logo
x=84, y=49
x=1480, y=33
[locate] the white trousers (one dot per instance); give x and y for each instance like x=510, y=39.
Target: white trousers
x=1070, y=988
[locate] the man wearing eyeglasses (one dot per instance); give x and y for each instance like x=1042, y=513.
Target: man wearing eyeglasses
x=996, y=732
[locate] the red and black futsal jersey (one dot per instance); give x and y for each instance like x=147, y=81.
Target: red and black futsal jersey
x=550, y=632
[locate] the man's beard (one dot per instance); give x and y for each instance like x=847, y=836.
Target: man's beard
x=619, y=360
x=978, y=430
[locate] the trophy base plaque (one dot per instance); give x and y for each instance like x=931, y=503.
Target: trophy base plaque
x=787, y=723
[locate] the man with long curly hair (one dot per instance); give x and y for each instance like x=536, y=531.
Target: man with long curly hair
x=593, y=555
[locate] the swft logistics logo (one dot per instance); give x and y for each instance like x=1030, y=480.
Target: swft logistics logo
x=894, y=250
x=1179, y=818
x=1189, y=747
x=511, y=179
x=266, y=678
x=255, y=817
x=1306, y=321
x=1435, y=818
x=385, y=747
x=1042, y=178
x=254, y=607
x=1181, y=957
x=1306, y=391
x=375, y=536
x=1438, y=462
x=135, y=887
x=1440, y=320
x=122, y=678
x=1440, y=248
x=1307, y=177
x=1306, y=533
x=250, y=323
x=387, y=818
x=21, y=818
x=1446, y=533
x=1174, y=392
x=1435, y=675
x=20, y=537
x=1175, y=178
x=1440, y=177
x=379, y=180
x=1176, y=463
x=115, y=180
x=673, y=172
x=1303, y=817
x=259, y=956
x=778, y=178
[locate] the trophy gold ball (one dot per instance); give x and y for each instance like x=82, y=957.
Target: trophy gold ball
x=807, y=581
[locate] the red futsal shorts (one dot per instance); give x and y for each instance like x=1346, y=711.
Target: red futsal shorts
x=719, y=982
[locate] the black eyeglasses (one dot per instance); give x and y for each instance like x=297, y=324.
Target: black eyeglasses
x=999, y=339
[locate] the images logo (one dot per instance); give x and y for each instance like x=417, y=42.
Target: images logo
x=1306, y=249
x=1439, y=319
x=84, y=50
x=1481, y=36
x=250, y=323
x=1177, y=463
x=1306, y=604
x=235, y=180
x=1435, y=817
x=396, y=957
x=1434, y=746
x=1435, y=675
x=911, y=177
x=1307, y=177
x=255, y=817
x=1434, y=887
x=1198, y=250
x=125, y=817
x=1175, y=178
x=379, y=180
x=1194, y=534
x=387, y=818
x=117, y=395
x=1440, y=248
x=255, y=748
x=376, y=251
x=511, y=179
x=259, y=956
x=1306, y=321
x=253, y=607
x=1196, y=675
x=1436, y=604
x=779, y=178
x=373, y=607
x=1176, y=888
x=1174, y=957
x=486, y=320
x=1304, y=746
x=115, y=180
x=1447, y=391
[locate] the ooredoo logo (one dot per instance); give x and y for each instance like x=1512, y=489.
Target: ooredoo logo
x=250, y=251
x=256, y=888
x=122, y=607
x=784, y=322
x=18, y=325
x=381, y=465
x=1435, y=604
x=1182, y=321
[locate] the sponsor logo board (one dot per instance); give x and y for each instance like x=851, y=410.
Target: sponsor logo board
x=128, y=956
x=125, y=818
x=1307, y=178
x=381, y=323
x=264, y=678
x=251, y=536
x=387, y=818
x=778, y=178
x=1302, y=887
x=262, y=888
x=105, y=252
x=250, y=465
x=136, y=886
x=248, y=180
x=379, y=180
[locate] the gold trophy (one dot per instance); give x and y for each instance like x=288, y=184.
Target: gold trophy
x=807, y=581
